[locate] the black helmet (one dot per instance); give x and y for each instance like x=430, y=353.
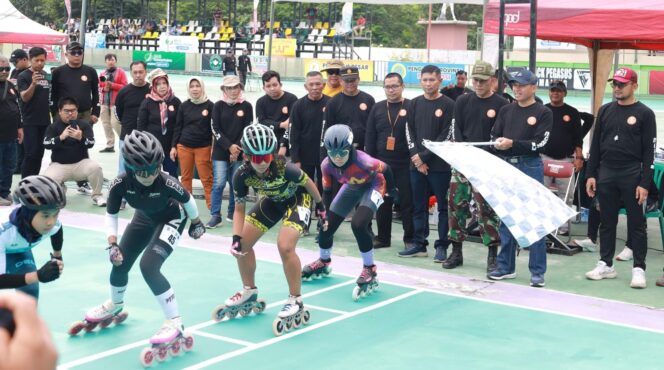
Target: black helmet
x=338, y=138
x=142, y=151
x=40, y=193
x=258, y=139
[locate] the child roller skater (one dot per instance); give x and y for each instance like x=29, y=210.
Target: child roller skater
x=162, y=208
x=364, y=182
x=24, y=227
x=286, y=193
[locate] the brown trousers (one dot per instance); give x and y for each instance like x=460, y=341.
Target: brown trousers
x=202, y=158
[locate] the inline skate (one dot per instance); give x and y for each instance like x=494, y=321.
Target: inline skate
x=316, y=270
x=170, y=340
x=102, y=315
x=291, y=316
x=366, y=283
x=242, y=302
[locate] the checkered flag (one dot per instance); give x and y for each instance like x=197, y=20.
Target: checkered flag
x=528, y=208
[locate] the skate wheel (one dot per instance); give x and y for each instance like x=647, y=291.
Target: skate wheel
x=147, y=357
x=90, y=326
x=297, y=321
x=218, y=313
x=175, y=350
x=308, y=278
x=260, y=306
x=106, y=322
x=230, y=314
x=306, y=316
x=356, y=293
x=328, y=270
x=244, y=312
x=289, y=324
x=120, y=318
x=278, y=327
x=162, y=354
x=76, y=328
x=188, y=343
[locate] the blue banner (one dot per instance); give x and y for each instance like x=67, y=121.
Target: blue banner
x=410, y=71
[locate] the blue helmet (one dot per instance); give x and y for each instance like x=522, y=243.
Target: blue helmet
x=338, y=138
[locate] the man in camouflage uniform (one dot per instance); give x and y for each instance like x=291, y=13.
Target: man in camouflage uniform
x=474, y=116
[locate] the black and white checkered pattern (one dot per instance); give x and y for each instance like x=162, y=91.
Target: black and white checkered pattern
x=528, y=208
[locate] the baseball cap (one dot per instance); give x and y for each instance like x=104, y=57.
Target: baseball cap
x=624, y=75
x=482, y=70
x=334, y=64
x=523, y=77
x=558, y=85
x=18, y=54
x=349, y=72
x=74, y=45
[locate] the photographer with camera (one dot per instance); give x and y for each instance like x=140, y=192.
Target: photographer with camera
x=111, y=81
x=69, y=140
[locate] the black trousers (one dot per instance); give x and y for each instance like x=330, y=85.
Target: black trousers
x=617, y=186
x=384, y=213
x=243, y=77
x=33, y=146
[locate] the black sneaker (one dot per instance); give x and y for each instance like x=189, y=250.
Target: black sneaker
x=377, y=244
x=214, y=222
x=107, y=150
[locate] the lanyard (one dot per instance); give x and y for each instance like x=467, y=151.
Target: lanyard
x=389, y=116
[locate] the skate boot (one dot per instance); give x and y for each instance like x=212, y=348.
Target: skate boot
x=242, y=302
x=366, y=283
x=316, y=270
x=170, y=340
x=291, y=316
x=102, y=315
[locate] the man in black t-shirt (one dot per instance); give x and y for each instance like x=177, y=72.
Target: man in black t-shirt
x=21, y=62
x=229, y=64
x=77, y=80
x=566, y=140
x=474, y=117
x=34, y=85
x=620, y=170
x=274, y=108
x=244, y=66
x=458, y=89
x=521, y=131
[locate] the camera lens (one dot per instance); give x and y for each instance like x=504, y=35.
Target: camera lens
x=102, y=78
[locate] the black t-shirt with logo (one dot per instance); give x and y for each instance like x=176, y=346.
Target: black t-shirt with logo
x=350, y=110
x=81, y=83
x=193, y=125
x=474, y=117
x=430, y=120
x=306, y=127
x=36, y=111
x=271, y=112
x=228, y=123
x=529, y=128
x=10, y=114
x=566, y=134
x=388, y=120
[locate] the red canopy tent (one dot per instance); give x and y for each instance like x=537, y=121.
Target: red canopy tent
x=16, y=28
x=600, y=25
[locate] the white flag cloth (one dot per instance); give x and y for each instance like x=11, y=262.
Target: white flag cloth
x=528, y=208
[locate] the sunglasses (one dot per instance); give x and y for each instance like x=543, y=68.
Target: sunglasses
x=260, y=158
x=145, y=173
x=338, y=153
x=618, y=84
x=5, y=69
x=76, y=53
x=332, y=72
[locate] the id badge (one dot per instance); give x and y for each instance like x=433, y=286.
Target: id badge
x=304, y=214
x=391, y=140
x=376, y=198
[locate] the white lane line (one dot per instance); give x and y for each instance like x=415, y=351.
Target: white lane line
x=306, y=329
x=195, y=327
x=243, y=343
x=325, y=309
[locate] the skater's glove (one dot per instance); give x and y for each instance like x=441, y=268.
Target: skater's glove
x=321, y=212
x=196, y=230
x=236, y=247
x=49, y=272
x=115, y=254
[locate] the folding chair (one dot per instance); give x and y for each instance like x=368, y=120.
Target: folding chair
x=562, y=170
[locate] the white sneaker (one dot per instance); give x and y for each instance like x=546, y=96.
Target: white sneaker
x=5, y=202
x=587, y=244
x=99, y=201
x=625, y=255
x=638, y=278
x=601, y=271
x=84, y=189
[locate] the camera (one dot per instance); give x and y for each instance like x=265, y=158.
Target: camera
x=7, y=321
x=102, y=78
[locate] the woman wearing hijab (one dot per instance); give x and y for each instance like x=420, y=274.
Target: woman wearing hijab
x=157, y=115
x=230, y=116
x=192, y=138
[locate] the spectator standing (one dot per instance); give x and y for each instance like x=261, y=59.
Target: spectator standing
x=458, y=89
x=35, y=87
x=229, y=64
x=333, y=83
x=112, y=80
x=244, y=66
x=620, y=169
x=192, y=142
x=11, y=131
x=157, y=115
x=274, y=108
